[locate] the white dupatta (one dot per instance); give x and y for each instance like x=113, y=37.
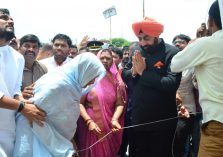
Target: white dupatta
x=58, y=93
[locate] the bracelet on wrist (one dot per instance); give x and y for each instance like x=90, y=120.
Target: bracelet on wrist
x=89, y=122
x=21, y=106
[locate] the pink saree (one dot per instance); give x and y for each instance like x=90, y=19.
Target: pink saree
x=103, y=100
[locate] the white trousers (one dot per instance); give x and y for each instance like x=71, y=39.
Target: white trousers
x=7, y=141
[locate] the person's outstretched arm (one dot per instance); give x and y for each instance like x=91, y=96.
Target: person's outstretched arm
x=30, y=111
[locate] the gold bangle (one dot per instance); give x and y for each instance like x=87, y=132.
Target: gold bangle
x=89, y=122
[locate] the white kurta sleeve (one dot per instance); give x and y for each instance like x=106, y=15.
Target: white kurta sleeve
x=1, y=94
x=18, y=85
x=193, y=55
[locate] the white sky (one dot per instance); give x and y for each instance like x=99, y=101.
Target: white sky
x=77, y=18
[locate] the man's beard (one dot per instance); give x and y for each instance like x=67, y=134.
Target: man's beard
x=151, y=48
x=125, y=60
x=7, y=34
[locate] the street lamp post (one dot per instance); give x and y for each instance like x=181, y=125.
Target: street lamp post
x=108, y=13
x=143, y=8
x=110, y=27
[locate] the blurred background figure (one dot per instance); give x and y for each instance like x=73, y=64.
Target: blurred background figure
x=117, y=56
x=45, y=51
x=14, y=43
x=181, y=41
x=203, y=31
x=73, y=51
x=94, y=46
x=125, y=57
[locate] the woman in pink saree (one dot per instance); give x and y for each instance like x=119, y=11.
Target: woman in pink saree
x=102, y=110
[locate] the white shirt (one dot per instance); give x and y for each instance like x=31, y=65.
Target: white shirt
x=51, y=64
x=206, y=56
x=11, y=70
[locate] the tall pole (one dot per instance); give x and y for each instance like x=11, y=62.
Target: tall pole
x=143, y=8
x=108, y=13
x=110, y=27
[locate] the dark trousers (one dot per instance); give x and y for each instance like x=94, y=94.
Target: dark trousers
x=184, y=129
x=156, y=143
x=126, y=137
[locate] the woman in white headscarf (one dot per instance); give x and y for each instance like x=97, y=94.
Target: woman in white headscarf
x=58, y=93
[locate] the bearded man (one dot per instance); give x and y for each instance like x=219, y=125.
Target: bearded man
x=154, y=92
x=11, y=68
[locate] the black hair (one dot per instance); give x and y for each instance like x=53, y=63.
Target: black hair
x=183, y=37
x=125, y=48
x=117, y=51
x=30, y=38
x=63, y=37
x=73, y=46
x=214, y=13
x=46, y=47
x=4, y=11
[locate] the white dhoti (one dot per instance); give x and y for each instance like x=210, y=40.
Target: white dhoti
x=6, y=144
x=7, y=132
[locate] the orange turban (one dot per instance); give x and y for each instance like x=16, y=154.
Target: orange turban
x=148, y=26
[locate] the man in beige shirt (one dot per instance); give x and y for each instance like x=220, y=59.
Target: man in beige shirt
x=29, y=48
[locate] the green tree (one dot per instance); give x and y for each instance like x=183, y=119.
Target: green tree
x=119, y=42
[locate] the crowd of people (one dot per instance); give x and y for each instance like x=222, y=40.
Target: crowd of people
x=148, y=99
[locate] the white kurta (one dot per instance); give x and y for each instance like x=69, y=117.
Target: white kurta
x=51, y=64
x=206, y=56
x=11, y=70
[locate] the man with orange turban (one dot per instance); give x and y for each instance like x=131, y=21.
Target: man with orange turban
x=154, y=92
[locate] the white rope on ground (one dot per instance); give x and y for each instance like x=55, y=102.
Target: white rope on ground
x=95, y=142
x=131, y=126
